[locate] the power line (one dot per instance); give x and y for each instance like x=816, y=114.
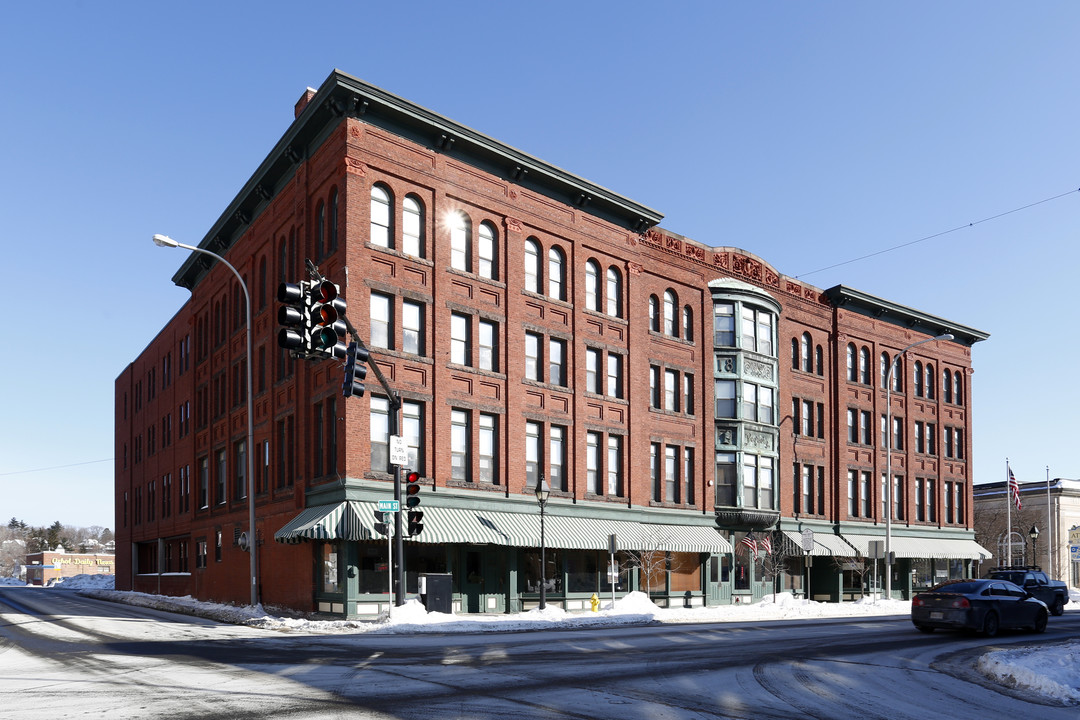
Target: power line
x=56, y=467
x=943, y=232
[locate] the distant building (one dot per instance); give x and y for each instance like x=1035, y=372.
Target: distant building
x=992, y=513
x=43, y=567
x=683, y=396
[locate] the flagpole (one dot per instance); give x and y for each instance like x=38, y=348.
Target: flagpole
x=1008, y=510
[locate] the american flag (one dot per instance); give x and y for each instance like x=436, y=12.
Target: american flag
x=751, y=542
x=1014, y=488
x=765, y=543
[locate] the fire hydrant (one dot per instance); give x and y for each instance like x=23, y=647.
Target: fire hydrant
x=595, y=602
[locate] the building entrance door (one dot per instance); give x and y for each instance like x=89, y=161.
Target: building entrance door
x=472, y=582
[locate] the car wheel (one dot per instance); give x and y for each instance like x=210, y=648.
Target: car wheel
x=925, y=628
x=1058, y=607
x=991, y=624
x=1040, y=621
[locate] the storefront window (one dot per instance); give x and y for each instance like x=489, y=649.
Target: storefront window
x=373, y=577
x=685, y=572
x=530, y=578
x=421, y=560
x=331, y=568
x=922, y=573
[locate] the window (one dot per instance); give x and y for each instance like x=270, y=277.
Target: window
x=757, y=403
x=380, y=233
x=221, y=478
x=725, y=398
x=931, y=493
x=852, y=368
x=688, y=323
x=592, y=286
x=671, y=474
x=488, y=347
x=670, y=328
x=864, y=492
x=380, y=434
x=614, y=375
x=557, y=458
x=948, y=498
x=654, y=386
x=688, y=475
x=613, y=296
x=240, y=474
x=688, y=394
x=864, y=366
x=556, y=279
x=459, y=339
x=757, y=330
x=459, y=445
x=866, y=433
x=958, y=392
x=488, y=448
x=460, y=231
x=532, y=356
x=614, y=466
x=920, y=439
x=533, y=457
x=592, y=463
x=758, y=481
x=487, y=267
x=671, y=391
x=724, y=324
x=557, y=362
x=412, y=327
x=725, y=479
x=917, y=378
x=381, y=320
x=200, y=554
x=532, y=265
x=920, y=489
x=592, y=372
x=412, y=227
x=654, y=472
x=412, y=428
x=654, y=313
x=805, y=357
x=333, y=212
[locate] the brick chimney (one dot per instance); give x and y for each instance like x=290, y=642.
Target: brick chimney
x=303, y=102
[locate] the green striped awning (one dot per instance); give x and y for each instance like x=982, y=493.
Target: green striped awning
x=923, y=547
x=339, y=521
x=825, y=544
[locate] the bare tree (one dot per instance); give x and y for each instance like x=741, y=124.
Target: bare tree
x=858, y=567
x=774, y=560
x=652, y=560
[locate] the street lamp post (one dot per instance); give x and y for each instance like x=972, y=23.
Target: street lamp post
x=165, y=241
x=888, y=458
x=1033, y=533
x=542, y=491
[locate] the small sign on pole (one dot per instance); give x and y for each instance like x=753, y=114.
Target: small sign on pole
x=399, y=451
x=808, y=540
x=390, y=505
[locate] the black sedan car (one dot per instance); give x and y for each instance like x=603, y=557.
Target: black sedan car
x=980, y=605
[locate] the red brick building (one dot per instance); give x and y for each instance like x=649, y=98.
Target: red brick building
x=676, y=395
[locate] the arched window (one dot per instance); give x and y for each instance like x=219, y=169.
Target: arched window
x=487, y=267
x=380, y=217
x=931, y=381
x=898, y=374
x=613, y=295
x=262, y=282
x=412, y=226
x=333, y=221
x=864, y=365
x=852, y=368
x=460, y=230
x=556, y=274
x=884, y=369
x=917, y=378
x=532, y=265
x=794, y=353
x=958, y=393
x=946, y=385
x=804, y=352
x=654, y=313
x=283, y=261
x=669, y=313
x=688, y=323
x=592, y=286
x=320, y=230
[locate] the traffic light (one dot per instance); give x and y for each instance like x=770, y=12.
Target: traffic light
x=415, y=522
x=414, y=516
x=381, y=525
x=356, y=359
x=293, y=316
x=327, y=313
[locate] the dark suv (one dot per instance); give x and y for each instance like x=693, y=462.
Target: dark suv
x=1031, y=577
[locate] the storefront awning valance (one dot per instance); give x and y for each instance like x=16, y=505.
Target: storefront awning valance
x=825, y=544
x=923, y=547
x=352, y=520
x=338, y=521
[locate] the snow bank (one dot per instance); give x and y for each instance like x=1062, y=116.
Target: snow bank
x=1053, y=673
x=84, y=582
x=11, y=581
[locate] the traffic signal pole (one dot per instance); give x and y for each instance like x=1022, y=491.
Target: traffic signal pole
x=397, y=559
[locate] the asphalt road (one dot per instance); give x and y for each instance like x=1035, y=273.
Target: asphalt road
x=63, y=655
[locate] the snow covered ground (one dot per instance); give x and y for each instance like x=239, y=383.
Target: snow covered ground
x=1051, y=671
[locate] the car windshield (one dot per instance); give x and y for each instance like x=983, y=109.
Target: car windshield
x=960, y=588
x=1013, y=577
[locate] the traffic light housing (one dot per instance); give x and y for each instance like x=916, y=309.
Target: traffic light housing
x=327, y=320
x=356, y=359
x=414, y=515
x=381, y=525
x=293, y=316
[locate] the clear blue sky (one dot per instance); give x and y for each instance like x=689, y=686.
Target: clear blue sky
x=809, y=133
